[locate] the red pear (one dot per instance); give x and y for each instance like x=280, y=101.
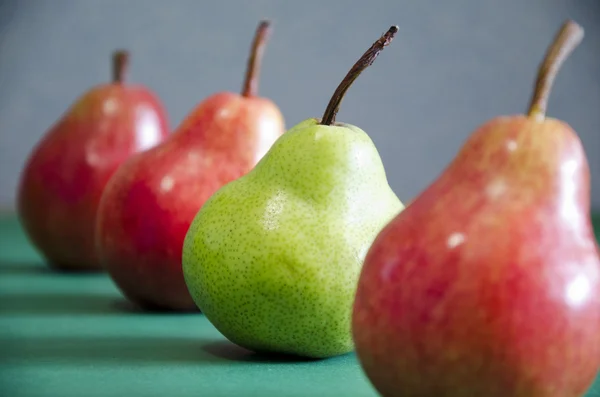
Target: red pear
x=66, y=173
x=488, y=283
x=151, y=201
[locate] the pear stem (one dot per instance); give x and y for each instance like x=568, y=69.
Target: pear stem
x=120, y=63
x=566, y=40
x=364, y=62
x=263, y=31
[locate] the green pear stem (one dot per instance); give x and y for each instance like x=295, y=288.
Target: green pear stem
x=120, y=63
x=263, y=31
x=566, y=40
x=364, y=62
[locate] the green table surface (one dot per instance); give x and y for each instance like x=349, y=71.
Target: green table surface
x=74, y=335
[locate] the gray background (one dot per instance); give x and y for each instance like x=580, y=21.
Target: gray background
x=453, y=65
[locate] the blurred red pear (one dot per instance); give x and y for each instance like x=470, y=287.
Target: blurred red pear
x=66, y=173
x=150, y=203
x=488, y=283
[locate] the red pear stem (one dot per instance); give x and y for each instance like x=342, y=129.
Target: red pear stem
x=254, y=62
x=120, y=63
x=364, y=62
x=566, y=40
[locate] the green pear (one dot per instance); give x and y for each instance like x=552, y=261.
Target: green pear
x=273, y=258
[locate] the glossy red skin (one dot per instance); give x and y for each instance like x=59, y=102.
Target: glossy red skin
x=65, y=175
x=511, y=309
x=152, y=200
